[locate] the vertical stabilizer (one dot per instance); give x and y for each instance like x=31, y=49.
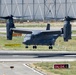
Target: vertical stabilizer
x=48, y=27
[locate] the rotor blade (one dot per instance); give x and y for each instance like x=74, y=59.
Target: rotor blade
x=14, y=17
x=68, y=18
x=19, y=17
x=6, y=17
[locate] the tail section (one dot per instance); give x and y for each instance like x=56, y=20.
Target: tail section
x=9, y=25
x=48, y=27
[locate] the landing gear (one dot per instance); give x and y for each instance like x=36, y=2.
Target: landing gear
x=34, y=47
x=26, y=46
x=50, y=47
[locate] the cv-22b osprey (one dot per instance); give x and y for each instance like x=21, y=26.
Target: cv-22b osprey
x=39, y=37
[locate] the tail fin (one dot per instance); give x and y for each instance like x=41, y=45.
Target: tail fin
x=9, y=25
x=48, y=27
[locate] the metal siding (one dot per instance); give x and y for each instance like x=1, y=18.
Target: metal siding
x=40, y=9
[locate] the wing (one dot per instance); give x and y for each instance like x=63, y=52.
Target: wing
x=21, y=31
x=46, y=32
x=49, y=32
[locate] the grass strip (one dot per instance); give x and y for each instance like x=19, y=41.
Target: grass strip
x=47, y=67
x=59, y=44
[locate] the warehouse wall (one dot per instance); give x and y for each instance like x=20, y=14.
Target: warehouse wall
x=38, y=9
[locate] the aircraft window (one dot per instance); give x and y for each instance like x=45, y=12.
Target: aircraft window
x=27, y=37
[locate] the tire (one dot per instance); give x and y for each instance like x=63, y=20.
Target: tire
x=50, y=47
x=34, y=47
x=26, y=46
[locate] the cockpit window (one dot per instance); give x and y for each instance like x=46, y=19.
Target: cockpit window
x=27, y=37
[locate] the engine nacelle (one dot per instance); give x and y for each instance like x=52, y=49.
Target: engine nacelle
x=9, y=31
x=9, y=25
x=67, y=31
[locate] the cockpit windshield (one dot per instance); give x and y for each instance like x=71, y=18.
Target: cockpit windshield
x=27, y=37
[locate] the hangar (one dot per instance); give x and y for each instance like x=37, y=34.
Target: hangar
x=38, y=9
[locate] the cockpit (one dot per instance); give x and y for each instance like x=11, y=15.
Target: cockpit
x=27, y=37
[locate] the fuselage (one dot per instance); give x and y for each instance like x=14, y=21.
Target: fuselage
x=39, y=39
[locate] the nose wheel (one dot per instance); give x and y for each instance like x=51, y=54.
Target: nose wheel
x=26, y=46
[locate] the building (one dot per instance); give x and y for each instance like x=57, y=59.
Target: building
x=38, y=9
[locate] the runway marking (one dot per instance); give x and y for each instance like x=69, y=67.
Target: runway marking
x=40, y=60
x=71, y=55
x=12, y=45
x=15, y=55
x=33, y=69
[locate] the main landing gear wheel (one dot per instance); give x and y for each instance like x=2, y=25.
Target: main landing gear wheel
x=50, y=47
x=26, y=46
x=34, y=47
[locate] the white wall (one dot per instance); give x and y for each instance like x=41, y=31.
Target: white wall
x=37, y=10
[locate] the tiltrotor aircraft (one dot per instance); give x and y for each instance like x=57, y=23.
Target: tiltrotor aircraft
x=39, y=37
